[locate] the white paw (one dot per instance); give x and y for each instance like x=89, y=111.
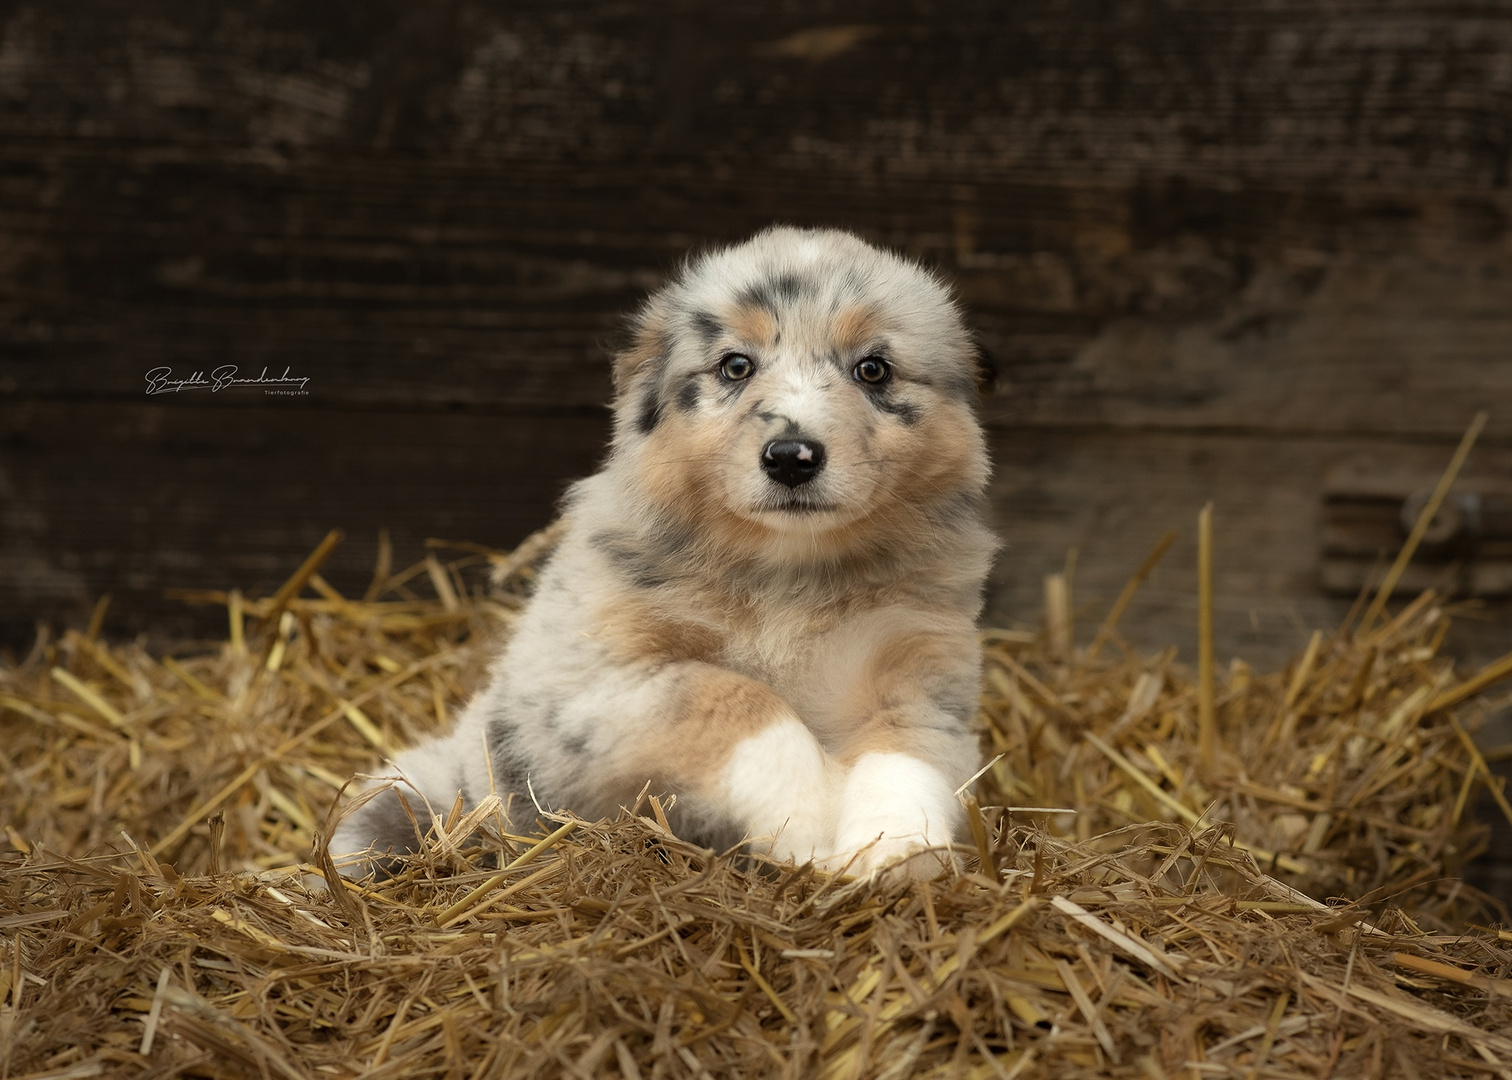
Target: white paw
x=903, y=858
x=897, y=814
x=783, y=787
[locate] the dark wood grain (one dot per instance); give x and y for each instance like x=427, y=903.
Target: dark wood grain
x=1111, y=495
x=133, y=500
x=1253, y=231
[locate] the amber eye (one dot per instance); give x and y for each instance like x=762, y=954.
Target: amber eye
x=736, y=367
x=873, y=369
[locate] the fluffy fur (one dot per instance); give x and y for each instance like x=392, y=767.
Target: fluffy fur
x=765, y=602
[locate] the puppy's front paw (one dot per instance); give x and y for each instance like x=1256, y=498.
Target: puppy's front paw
x=898, y=815
x=377, y=825
x=904, y=858
x=781, y=786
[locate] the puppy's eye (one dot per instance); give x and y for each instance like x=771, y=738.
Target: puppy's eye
x=736, y=367
x=874, y=370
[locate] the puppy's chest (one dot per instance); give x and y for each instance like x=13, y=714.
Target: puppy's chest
x=778, y=648
x=774, y=640
x=808, y=653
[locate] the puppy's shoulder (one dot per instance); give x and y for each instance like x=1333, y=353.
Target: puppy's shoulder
x=627, y=584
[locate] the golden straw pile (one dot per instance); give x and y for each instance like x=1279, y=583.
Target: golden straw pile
x=1250, y=875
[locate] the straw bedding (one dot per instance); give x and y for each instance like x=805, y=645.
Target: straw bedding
x=1284, y=906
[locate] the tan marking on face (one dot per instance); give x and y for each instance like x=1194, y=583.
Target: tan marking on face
x=857, y=325
x=676, y=462
x=943, y=452
x=679, y=472
x=752, y=324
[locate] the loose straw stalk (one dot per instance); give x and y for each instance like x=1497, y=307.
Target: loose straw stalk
x=1424, y=519
x=1126, y=597
x=1207, y=721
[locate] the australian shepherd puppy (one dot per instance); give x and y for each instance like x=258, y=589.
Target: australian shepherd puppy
x=764, y=604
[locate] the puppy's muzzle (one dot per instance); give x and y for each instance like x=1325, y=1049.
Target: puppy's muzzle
x=792, y=461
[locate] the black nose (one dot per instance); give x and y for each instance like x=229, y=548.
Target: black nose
x=793, y=461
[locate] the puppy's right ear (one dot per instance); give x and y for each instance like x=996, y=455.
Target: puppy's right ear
x=650, y=342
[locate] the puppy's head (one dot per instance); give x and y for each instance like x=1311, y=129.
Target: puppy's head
x=802, y=392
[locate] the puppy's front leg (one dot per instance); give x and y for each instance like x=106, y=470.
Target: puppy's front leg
x=897, y=808
x=909, y=746
x=742, y=756
x=428, y=778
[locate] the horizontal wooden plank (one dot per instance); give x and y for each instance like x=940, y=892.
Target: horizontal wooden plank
x=1411, y=350
x=1320, y=92
x=1111, y=495
x=1331, y=344
x=137, y=499
x=1284, y=217
x=133, y=499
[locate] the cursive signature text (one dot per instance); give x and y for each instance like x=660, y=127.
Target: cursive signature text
x=160, y=380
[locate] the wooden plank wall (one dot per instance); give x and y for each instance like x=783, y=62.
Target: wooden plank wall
x=1215, y=248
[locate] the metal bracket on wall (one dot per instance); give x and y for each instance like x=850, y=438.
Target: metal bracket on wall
x=1370, y=507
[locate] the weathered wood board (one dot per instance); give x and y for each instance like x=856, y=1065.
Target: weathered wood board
x=1213, y=249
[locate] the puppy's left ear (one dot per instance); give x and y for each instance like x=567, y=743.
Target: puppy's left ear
x=986, y=368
